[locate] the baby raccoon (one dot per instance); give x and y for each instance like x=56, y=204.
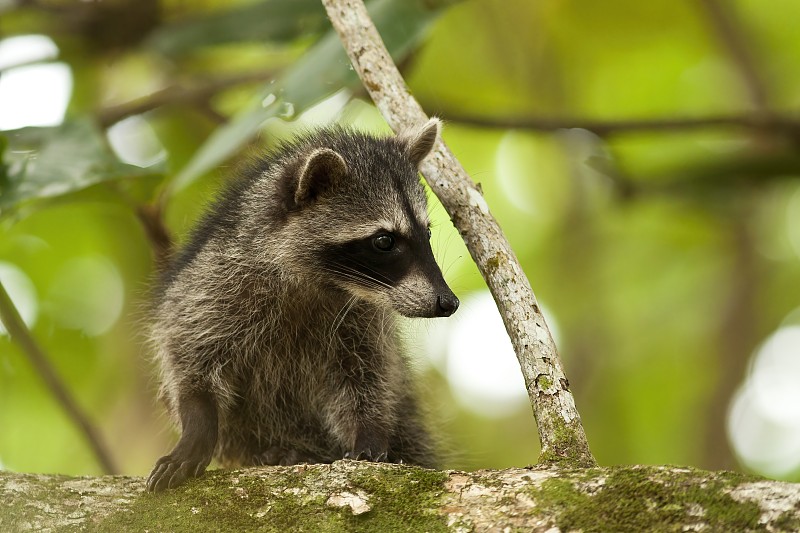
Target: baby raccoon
x=275, y=327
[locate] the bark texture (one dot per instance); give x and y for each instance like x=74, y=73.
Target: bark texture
x=560, y=431
x=353, y=496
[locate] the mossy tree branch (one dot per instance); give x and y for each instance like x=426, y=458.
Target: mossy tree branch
x=360, y=496
x=560, y=430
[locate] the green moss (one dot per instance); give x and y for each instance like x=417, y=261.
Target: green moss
x=209, y=504
x=544, y=382
x=402, y=499
x=786, y=522
x=494, y=262
x=644, y=500
x=566, y=449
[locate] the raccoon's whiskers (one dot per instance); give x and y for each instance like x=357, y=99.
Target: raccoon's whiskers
x=355, y=275
x=359, y=279
x=367, y=267
x=340, y=316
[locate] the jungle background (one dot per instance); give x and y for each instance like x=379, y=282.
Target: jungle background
x=642, y=158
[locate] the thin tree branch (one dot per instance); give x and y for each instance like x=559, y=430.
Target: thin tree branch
x=152, y=220
x=560, y=431
x=730, y=35
x=197, y=92
x=758, y=121
x=738, y=337
x=20, y=333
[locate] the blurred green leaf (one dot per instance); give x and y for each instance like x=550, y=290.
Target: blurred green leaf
x=323, y=70
x=50, y=162
x=270, y=20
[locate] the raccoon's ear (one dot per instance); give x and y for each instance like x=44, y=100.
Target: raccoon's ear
x=419, y=142
x=321, y=170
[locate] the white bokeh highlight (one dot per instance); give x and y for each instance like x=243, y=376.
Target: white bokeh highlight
x=34, y=94
x=135, y=142
x=473, y=351
x=764, y=418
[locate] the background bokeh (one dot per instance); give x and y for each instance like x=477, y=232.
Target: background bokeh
x=642, y=158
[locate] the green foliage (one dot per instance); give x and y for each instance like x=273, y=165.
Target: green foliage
x=308, y=81
x=274, y=21
x=42, y=163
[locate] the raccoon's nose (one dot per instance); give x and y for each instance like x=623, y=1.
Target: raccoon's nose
x=446, y=305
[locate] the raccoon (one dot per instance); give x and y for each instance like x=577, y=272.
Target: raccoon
x=275, y=327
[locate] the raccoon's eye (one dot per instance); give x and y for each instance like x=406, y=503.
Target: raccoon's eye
x=383, y=242
x=429, y=233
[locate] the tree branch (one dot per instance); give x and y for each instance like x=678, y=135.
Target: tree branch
x=151, y=217
x=192, y=93
x=757, y=121
x=560, y=430
x=20, y=333
x=362, y=496
x=730, y=35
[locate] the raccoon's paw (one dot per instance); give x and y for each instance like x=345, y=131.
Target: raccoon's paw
x=170, y=471
x=369, y=448
x=277, y=456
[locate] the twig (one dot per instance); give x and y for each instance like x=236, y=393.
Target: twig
x=152, y=220
x=738, y=336
x=728, y=32
x=176, y=94
x=560, y=431
x=20, y=333
x=758, y=121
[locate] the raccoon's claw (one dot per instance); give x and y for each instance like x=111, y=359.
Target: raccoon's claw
x=369, y=446
x=170, y=472
x=367, y=455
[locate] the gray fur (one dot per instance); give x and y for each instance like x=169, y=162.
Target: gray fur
x=296, y=352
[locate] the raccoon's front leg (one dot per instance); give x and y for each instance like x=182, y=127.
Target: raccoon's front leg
x=360, y=415
x=371, y=443
x=360, y=431
x=190, y=457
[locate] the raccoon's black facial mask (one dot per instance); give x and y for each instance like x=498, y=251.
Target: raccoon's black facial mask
x=382, y=259
x=396, y=269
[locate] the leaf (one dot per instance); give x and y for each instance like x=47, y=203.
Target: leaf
x=50, y=162
x=321, y=71
x=270, y=20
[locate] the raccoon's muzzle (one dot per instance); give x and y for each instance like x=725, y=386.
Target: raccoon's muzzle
x=446, y=304
x=432, y=290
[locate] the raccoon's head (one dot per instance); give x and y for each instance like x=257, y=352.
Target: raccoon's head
x=361, y=210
